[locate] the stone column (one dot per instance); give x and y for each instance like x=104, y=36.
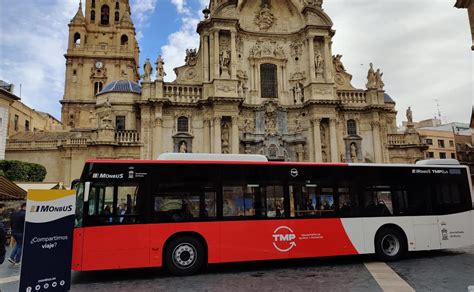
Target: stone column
x=333, y=140
x=205, y=40
x=318, y=157
x=327, y=60
x=211, y=56
x=312, y=69
x=376, y=137
x=235, y=135
x=206, y=137
x=311, y=144
x=300, y=152
x=233, y=56
x=212, y=136
x=217, y=135
x=145, y=133
x=157, y=138
x=216, y=54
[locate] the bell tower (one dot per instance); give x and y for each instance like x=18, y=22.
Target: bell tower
x=102, y=47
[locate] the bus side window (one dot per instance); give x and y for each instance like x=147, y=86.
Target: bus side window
x=238, y=201
x=348, y=206
x=377, y=202
x=447, y=199
x=127, y=198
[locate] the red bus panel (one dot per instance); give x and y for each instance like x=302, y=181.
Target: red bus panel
x=133, y=246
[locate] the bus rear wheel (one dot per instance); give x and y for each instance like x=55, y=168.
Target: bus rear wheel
x=184, y=256
x=390, y=244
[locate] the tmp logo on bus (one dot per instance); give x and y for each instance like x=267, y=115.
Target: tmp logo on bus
x=284, y=239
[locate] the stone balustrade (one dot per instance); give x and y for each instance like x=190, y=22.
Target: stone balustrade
x=352, y=97
x=182, y=93
x=32, y=144
x=127, y=137
x=396, y=139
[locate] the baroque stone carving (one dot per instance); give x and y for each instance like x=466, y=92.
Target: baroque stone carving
x=318, y=62
x=338, y=66
x=296, y=49
x=298, y=93
x=225, y=88
x=160, y=69
x=224, y=62
x=409, y=115
x=147, y=69
x=191, y=57
x=264, y=18
x=270, y=120
x=267, y=50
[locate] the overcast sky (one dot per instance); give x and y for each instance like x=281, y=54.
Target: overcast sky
x=422, y=46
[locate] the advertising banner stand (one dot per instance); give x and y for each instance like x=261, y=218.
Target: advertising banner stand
x=47, y=243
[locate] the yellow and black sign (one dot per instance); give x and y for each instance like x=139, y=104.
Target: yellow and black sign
x=47, y=243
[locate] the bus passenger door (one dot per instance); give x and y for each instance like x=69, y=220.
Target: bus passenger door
x=113, y=237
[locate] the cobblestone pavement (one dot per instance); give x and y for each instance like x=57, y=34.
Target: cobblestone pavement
x=449, y=270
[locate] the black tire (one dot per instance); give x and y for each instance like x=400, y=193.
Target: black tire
x=390, y=245
x=184, y=256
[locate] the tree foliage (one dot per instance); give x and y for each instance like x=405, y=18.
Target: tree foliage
x=22, y=171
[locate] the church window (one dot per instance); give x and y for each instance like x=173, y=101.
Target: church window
x=15, y=122
x=104, y=15
x=117, y=5
x=117, y=16
x=124, y=40
x=77, y=39
x=183, y=124
x=97, y=87
x=351, y=127
x=120, y=123
x=93, y=4
x=93, y=15
x=268, y=81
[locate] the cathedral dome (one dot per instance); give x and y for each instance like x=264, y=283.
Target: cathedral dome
x=124, y=86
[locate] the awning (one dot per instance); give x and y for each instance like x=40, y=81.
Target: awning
x=9, y=191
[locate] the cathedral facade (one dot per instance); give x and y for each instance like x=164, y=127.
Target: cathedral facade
x=264, y=80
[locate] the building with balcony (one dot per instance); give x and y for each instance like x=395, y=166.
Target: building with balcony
x=264, y=80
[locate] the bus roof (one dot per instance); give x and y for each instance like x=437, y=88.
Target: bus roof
x=230, y=162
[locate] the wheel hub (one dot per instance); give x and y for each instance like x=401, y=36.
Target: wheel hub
x=184, y=255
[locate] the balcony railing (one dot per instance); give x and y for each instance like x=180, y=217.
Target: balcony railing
x=396, y=139
x=182, y=93
x=127, y=137
x=352, y=97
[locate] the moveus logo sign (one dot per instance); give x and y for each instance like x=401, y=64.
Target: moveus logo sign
x=51, y=209
x=107, y=175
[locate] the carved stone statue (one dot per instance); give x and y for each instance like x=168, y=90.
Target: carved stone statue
x=248, y=125
x=409, y=115
x=270, y=123
x=265, y=18
x=338, y=66
x=299, y=97
x=160, y=69
x=147, y=68
x=182, y=147
x=224, y=58
x=225, y=135
x=378, y=79
x=105, y=115
x=353, y=152
x=371, y=78
x=318, y=61
x=191, y=57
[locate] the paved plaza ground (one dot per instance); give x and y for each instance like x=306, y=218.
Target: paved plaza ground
x=448, y=270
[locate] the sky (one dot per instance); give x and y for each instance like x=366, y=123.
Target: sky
x=422, y=47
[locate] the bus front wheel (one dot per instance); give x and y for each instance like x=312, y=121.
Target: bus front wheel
x=184, y=255
x=390, y=244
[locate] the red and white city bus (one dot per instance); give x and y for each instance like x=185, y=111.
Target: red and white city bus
x=183, y=213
